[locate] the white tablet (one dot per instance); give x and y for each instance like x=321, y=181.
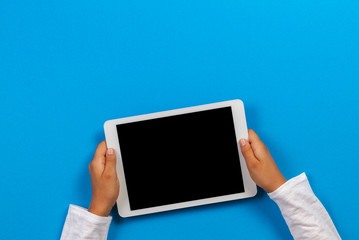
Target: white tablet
x=180, y=158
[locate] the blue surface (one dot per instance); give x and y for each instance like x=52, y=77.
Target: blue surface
x=68, y=66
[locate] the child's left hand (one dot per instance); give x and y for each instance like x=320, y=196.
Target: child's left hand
x=104, y=181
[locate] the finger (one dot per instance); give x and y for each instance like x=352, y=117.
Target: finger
x=101, y=150
x=110, y=165
x=97, y=164
x=259, y=148
x=253, y=137
x=248, y=153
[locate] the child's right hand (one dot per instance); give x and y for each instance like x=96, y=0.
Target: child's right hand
x=260, y=163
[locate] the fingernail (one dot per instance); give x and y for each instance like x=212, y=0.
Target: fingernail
x=242, y=142
x=110, y=151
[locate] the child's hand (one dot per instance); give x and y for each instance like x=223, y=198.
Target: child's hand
x=260, y=163
x=104, y=181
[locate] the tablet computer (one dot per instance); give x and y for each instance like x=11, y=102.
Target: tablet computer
x=180, y=158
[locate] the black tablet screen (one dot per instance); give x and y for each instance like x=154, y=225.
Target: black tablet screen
x=180, y=158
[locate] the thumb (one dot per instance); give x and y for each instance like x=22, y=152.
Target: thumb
x=110, y=164
x=248, y=153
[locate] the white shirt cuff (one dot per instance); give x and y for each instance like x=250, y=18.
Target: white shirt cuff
x=84, y=213
x=81, y=224
x=287, y=186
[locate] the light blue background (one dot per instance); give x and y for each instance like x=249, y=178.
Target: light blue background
x=68, y=66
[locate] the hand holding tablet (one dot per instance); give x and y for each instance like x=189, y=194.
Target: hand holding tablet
x=188, y=169
x=261, y=165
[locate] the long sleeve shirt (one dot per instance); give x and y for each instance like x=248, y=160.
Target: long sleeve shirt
x=304, y=214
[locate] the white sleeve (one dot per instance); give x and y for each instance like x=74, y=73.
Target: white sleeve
x=304, y=214
x=81, y=224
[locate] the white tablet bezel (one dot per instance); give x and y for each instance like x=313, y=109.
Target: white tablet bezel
x=250, y=188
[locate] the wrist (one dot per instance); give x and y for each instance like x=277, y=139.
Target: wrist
x=99, y=210
x=276, y=184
